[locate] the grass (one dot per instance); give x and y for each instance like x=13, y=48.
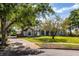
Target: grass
x=48, y=39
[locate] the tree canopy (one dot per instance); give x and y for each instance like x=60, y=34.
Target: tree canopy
x=23, y=14
x=74, y=17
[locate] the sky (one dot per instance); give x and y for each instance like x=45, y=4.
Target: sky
x=64, y=9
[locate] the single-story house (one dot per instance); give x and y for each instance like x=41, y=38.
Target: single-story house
x=30, y=32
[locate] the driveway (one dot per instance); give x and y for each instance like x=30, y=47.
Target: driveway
x=59, y=52
x=24, y=43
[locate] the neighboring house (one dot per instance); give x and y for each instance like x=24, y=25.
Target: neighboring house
x=74, y=31
x=37, y=31
x=29, y=32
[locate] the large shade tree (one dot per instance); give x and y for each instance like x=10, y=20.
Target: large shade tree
x=74, y=20
x=74, y=17
x=46, y=27
x=22, y=14
x=5, y=9
x=66, y=25
x=56, y=25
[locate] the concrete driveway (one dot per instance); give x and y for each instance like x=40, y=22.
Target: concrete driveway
x=24, y=43
x=59, y=52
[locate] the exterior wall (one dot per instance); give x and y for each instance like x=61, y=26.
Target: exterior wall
x=29, y=32
x=38, y=33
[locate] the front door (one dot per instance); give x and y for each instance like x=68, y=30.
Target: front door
x=29, y=34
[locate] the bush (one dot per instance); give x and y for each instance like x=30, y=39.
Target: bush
x=13, y=33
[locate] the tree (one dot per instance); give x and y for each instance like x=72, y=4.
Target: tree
x=56, y=25
x=37, y=10
x=74, y=18
x=20, y=13
x=5, y=9
x=47, y=27
x=66, y=24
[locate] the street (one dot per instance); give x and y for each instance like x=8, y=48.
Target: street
x=59, y=52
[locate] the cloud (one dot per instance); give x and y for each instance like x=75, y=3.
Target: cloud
x=59, y=10
x=75, y=6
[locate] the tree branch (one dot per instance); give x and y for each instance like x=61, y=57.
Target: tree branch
x=10, y=24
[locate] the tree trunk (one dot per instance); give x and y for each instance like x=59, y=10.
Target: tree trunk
x=22, y=31
x=3, y=31
x=53, y=37
x=70, y=31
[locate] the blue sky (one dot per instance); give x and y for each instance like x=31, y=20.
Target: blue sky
x=64, y=9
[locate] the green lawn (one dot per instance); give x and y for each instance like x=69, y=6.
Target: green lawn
x=48, y=39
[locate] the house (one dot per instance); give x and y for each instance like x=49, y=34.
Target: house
x=30, y=32
x=36, y=31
